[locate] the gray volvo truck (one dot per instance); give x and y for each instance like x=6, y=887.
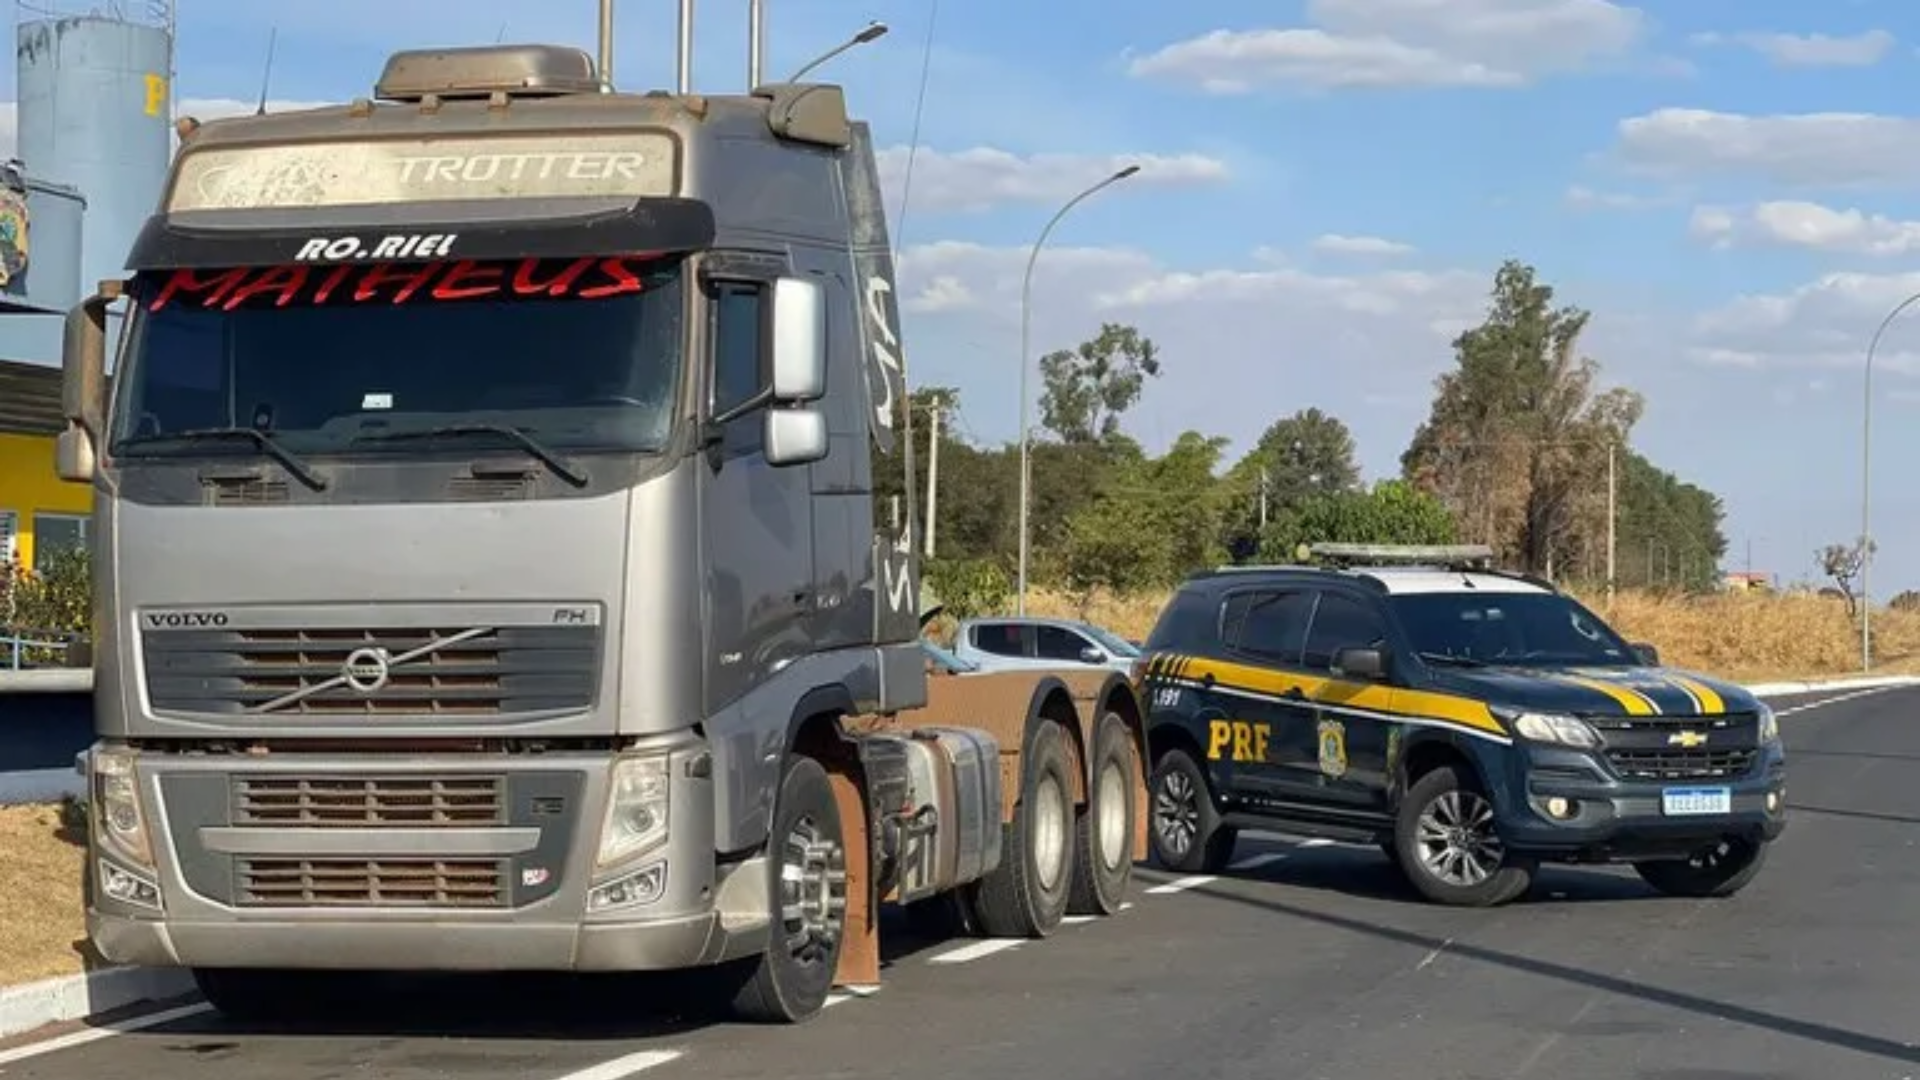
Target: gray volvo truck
x=487, y=567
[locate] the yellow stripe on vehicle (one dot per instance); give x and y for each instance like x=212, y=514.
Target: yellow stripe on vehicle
x=1711, y=703
x=1635, y=702
x=1389, y=701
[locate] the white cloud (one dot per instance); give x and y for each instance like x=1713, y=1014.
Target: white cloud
x=1336, y=244
x=1396, y=43
x=1826, y=323
x=1581, y=197
x=983, y=177
x=200, y=108
x=1833, y=149
x=1810, y=50
x=1792, y=223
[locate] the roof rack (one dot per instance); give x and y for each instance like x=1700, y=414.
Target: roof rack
x=1443, y=556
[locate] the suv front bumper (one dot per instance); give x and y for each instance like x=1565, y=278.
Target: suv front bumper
x=1566, y=804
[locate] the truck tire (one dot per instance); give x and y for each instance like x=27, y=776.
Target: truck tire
x=1026, y=895
x=1103, y=844
x=1185, y=832
x=1472, y=868
x=1729, y=867
x=807, y=899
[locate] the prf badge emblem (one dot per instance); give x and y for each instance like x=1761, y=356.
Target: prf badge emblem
x=1333, y=748
x=13, y=234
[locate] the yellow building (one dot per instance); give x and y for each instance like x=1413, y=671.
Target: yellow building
x=39, y=512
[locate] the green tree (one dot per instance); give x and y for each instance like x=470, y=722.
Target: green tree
x=1298, y=456
x=1394, y=512
x=1154, y=521
x=1089, y=387
x=1516, y=443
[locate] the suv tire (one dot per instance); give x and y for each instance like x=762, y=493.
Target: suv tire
x=1448, y=846
x=1184, y=828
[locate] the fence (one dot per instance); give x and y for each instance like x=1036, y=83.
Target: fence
x=23, y=649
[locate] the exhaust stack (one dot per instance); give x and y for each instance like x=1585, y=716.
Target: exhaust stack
x=756, y=41
x=684, y=82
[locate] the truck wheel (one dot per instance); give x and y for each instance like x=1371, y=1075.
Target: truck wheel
x=1103, y=841
x=1026, y=895
x=807, y=896
x=1719, y=872
x=1448, y=845
x=1186, y=833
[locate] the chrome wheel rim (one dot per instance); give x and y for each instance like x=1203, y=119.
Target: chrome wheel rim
x=1049, y=832
x=813, y=891
x=1176, y=813
x=1112, y=808
x=1456, y=839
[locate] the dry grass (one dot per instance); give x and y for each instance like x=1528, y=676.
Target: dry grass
x=1747, y=638
x=42, y=923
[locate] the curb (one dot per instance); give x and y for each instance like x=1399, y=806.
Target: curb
x=57, y=1000
x=1864, y=682
x=47, y=681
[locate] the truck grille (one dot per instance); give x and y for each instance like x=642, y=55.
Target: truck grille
x=421, y=883
x=400, y=802
x=1664, y=764
x=488, y=671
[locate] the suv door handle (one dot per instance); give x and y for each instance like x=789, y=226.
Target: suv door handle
x=1295, y=694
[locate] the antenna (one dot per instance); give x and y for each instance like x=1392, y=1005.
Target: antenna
x=684, y=82
x=502, y=35
x=266, y=76
x=756, y=41
x=913, y=144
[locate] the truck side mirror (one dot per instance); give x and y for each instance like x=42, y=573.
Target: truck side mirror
x=794, y=436
x=83, y=362
x=799, y=341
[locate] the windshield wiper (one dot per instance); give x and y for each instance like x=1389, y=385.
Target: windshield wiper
x=526, y=442
x=259, y=438
x=1450, y=659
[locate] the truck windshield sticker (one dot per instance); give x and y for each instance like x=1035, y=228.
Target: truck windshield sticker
x=313, y=175
x=390, y=248
x=593, y=278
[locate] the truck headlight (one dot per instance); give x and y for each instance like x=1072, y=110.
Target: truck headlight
x=119, y=827
x=1769, y=725
x=636, y=820
x=1554, y=728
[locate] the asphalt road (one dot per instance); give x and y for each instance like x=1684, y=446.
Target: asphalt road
x=1311, y=962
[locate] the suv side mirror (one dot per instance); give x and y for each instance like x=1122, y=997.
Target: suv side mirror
x=1092, y=655
x=1360, y=663
x=799, y=341
x=83, y=371
x=1648, y=654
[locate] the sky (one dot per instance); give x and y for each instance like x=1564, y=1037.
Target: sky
x=1326, y=189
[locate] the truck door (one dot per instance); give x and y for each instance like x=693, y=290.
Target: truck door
x=756, y=520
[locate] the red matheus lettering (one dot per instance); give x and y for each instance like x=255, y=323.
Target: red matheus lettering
x=593, y=278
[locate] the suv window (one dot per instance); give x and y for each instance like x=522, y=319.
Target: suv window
x=1341, y=622
x=1057, y=643
x=1187, y=623
x=1268, y=623
x=1000, y=639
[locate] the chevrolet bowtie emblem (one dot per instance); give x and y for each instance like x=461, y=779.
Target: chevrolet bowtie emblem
x=1687, y=739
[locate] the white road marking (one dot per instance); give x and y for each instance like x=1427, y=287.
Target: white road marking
x=105, y=1031
x=1432, y=956
x=1259, y=861
x=1182, y=885
x=976, y=950
x=1837, y=699
x=1126, y=905
x=1076, y=920
x=621, y=1067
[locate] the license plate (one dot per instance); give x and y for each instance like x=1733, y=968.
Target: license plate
x=1680, y=802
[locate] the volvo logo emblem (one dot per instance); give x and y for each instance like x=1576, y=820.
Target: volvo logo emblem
x=366, y=670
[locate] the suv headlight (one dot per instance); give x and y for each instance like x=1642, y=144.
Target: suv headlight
x=636, y=821
x=1769, y=725
x=119, y=826
x=1555, y=728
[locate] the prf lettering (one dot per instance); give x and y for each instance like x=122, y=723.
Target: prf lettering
x=1245, y=741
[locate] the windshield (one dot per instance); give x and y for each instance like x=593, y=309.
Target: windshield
x=1508, y=628
x=578, y=354
x=1114, y=645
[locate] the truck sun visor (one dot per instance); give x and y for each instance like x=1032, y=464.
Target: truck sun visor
x=306, y=285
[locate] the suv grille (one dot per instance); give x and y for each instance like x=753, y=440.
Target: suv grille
x=415, y=802
x=1664, y=764
x=504, y=670
x=446, y=883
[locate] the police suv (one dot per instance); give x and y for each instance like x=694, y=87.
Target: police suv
x=1472, y=722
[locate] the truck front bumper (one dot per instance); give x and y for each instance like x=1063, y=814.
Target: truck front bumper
x=252, y=862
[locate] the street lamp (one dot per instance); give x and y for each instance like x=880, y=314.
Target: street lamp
x=873, y=32
x=1866, y=487
x=1026, y=364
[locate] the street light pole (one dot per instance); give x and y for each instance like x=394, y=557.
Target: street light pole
x=1866, y=487
x=1026, y=364
x=873, y=32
